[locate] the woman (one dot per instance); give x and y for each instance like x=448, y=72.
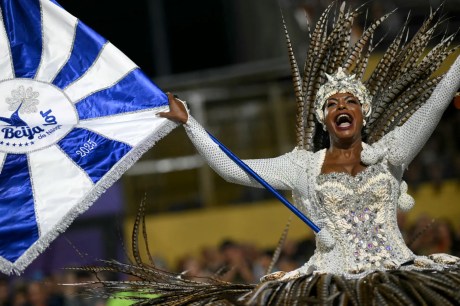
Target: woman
x=352, y=187
x=345, y=188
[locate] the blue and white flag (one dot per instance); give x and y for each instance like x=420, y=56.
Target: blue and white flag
x=75, y=113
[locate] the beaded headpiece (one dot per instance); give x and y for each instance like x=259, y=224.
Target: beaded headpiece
x=342, y=83
x=402, y=81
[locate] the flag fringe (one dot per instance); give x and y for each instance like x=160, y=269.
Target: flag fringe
x=108, y=180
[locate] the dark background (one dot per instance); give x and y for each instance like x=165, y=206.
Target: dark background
x=167, y=37
x=174, y=35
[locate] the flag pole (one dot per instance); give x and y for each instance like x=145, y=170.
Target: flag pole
x=259, y=179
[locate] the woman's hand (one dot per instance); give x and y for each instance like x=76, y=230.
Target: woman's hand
x=177, y=111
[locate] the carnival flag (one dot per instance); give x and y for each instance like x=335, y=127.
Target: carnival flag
x=75, y=113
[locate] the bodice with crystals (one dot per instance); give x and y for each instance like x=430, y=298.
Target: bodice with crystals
x=360, y=213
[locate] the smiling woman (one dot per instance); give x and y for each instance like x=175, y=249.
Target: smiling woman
x=343, y=120
x=352, y=188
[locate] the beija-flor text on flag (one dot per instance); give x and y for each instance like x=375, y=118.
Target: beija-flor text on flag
x=75, y=113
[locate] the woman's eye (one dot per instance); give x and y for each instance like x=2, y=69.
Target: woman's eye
x=353, y=101
x=329, y=104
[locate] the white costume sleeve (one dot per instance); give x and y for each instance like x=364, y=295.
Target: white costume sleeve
x=410, y=138
x=280, y=172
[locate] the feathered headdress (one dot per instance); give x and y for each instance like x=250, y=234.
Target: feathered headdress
x=398, y=86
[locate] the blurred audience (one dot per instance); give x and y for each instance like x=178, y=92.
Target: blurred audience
x=232, y=261
x=238, y=263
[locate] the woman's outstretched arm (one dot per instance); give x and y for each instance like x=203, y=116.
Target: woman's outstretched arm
x=410, y=138
x=280, y=172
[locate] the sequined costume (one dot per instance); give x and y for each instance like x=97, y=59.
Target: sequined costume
x=360, y=211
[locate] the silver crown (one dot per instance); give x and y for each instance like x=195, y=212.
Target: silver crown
x=342, y=83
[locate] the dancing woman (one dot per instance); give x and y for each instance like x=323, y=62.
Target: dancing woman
x=350, y=188
x=346, y=173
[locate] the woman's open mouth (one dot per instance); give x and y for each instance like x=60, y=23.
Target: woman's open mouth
x=343, y=121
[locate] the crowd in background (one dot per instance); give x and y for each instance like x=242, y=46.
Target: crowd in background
x=232, y=261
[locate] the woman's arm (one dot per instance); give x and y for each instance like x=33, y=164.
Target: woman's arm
x=280, y=172
x=410, y=138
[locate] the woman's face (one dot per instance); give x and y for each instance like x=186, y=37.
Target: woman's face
x=343, y=116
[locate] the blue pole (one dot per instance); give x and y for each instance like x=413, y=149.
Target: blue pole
x=257, y=177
